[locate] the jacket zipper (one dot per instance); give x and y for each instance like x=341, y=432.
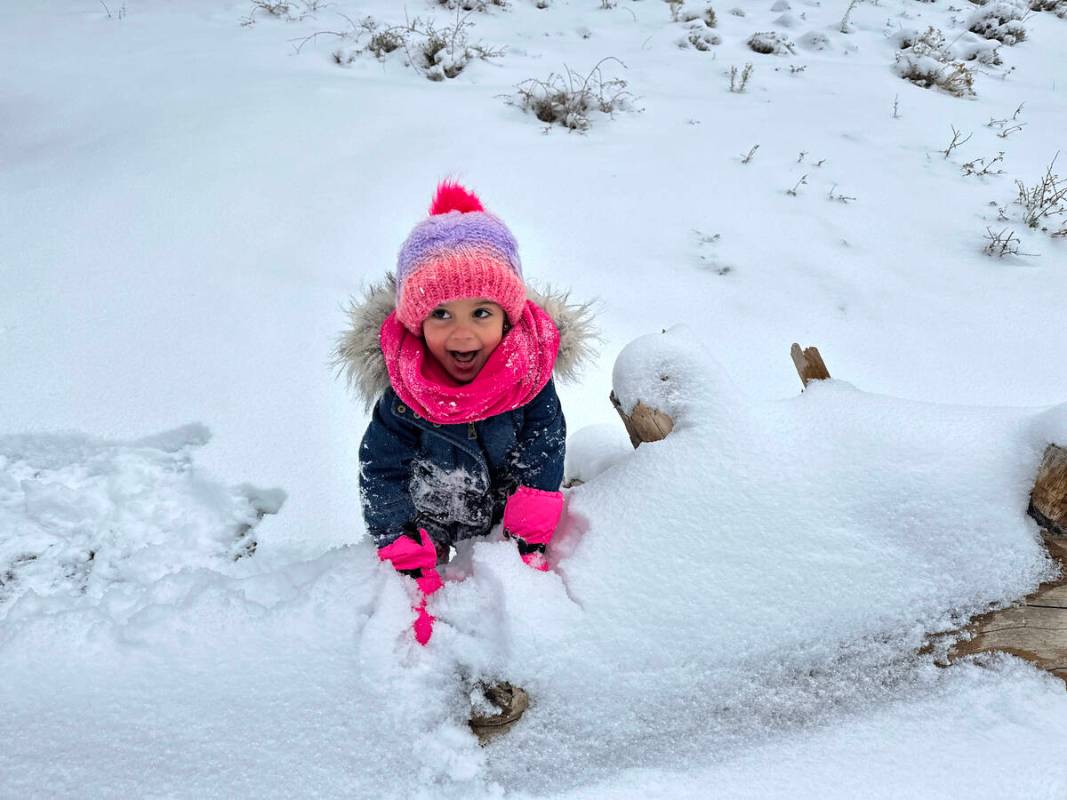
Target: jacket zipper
x=472, y=433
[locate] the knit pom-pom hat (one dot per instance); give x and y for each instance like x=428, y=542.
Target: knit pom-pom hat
x=459, y=251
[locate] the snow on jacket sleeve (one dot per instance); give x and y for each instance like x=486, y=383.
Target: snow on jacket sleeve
x=537, y=459
x=385, y=456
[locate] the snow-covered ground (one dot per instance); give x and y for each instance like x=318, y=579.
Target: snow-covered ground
x=185, y=204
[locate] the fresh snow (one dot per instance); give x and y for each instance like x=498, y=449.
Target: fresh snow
x=189, y=607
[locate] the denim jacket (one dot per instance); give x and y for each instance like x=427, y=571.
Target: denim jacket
x=453, y=480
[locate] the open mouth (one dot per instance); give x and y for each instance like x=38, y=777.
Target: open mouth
x=463, y=358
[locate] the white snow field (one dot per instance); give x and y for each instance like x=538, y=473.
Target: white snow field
x=188, y=604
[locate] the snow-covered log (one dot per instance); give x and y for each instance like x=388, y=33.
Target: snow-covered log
x=1035, y=629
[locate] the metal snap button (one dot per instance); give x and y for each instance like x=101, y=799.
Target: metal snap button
x=400, y=409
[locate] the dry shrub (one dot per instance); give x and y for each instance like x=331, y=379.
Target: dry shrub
x=1057, y=7
x=770, y=43
x=569, y=99
x=1001, y=20
x=925, y=60
x=472, y=5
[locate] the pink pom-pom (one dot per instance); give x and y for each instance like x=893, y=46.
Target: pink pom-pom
x=451, y=196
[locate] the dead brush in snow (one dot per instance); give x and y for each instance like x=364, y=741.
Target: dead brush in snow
x=1057, y=7
x=770, y=43
x=472, y=5
x=983, y=167
x=699, y=38
x=385, y=41
x=680, y=12
x=568, y=99
x=434, y=52
x=1003, y=243
x=289, y=10
x=1044, y=200
x=739, y=78
x=700, y=34
x=439, y=53
x=926, y=61
x=1001, y=20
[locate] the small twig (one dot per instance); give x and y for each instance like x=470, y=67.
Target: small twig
x=956, y=141
x=802, y=182
x=1004, y=134
x=841, y=198
x=845, y=21
x=751, y=153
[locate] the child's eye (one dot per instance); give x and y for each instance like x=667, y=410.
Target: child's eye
x=439, y=313
x=482, y=313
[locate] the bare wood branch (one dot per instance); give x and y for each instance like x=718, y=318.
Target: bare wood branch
x=643, y=424
x=809, y=364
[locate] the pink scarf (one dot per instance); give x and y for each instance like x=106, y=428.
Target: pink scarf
x=515, y=372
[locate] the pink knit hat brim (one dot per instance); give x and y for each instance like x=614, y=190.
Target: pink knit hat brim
x=456, y=275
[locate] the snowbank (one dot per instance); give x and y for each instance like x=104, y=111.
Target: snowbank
x=767, y=568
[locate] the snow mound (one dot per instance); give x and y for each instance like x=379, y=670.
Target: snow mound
x=80, y=517
x=766, y=568
x=763, y=563
x=593, y=449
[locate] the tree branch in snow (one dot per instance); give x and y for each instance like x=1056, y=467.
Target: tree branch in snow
x=809, y=364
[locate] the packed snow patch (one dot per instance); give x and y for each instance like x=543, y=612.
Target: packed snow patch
x=80, y=517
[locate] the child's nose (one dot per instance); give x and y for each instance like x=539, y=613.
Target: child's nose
x=462, y=334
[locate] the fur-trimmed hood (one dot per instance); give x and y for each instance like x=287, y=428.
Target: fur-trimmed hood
x=359, y=354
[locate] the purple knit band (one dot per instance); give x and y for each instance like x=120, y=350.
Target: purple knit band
x=455, y=255
x=455, y=231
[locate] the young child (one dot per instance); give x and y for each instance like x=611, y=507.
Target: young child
x=467, y=429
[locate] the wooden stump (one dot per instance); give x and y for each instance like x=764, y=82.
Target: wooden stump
x=1035, y=630
x=1048, y=500
x=645, y=424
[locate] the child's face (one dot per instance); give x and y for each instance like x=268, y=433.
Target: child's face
x=462, y=334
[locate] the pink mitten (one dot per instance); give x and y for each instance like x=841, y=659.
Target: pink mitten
x=531, y=517
x=419, y=560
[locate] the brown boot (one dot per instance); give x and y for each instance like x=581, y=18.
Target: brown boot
x=512, y=702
